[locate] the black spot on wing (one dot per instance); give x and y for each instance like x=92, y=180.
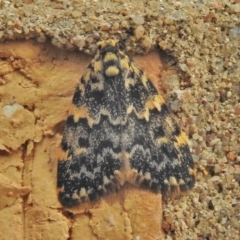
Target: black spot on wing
x=83, y=142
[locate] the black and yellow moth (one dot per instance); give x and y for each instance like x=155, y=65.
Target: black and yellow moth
x=119, y=131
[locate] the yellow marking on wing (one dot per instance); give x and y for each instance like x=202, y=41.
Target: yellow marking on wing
x=75, y=196
x=128, y=82
x=106, y=180
x=131, y=176
x=153, y=102
x=166, y=181
x=146, y=114
x=98, y=66
x=162, y=140
x=144, y=80
x=120, y=177
x=61, y=155
x=124, y=63
x=130, y=109
x=181, y=139
x=98, y=86
x=83, y=192
x=126, y=174
x=143, y=77
x=110, y=56
x=87, y=75
x=147, y=176
x=143, y=114
x=158, y=99
x=81, y=112
x=79, y=151
x=173, y=181
x=60, y=190
x=81, y=87
x=181, y=182
x=112, y=71
x=169, y=124
x=150, y=104
x=135, y=69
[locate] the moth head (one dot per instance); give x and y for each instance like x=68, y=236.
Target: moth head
x=109, y=42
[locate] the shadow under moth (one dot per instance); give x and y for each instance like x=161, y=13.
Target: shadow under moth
x=119, y=130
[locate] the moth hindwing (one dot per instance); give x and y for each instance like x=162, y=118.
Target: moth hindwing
x=120, y=130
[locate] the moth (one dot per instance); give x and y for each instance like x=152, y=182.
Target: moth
x=120, y=130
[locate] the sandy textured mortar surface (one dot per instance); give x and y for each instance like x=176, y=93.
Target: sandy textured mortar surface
x=203, y=91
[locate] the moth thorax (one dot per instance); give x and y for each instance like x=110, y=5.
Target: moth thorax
x=112, y=71
x=111, y=66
